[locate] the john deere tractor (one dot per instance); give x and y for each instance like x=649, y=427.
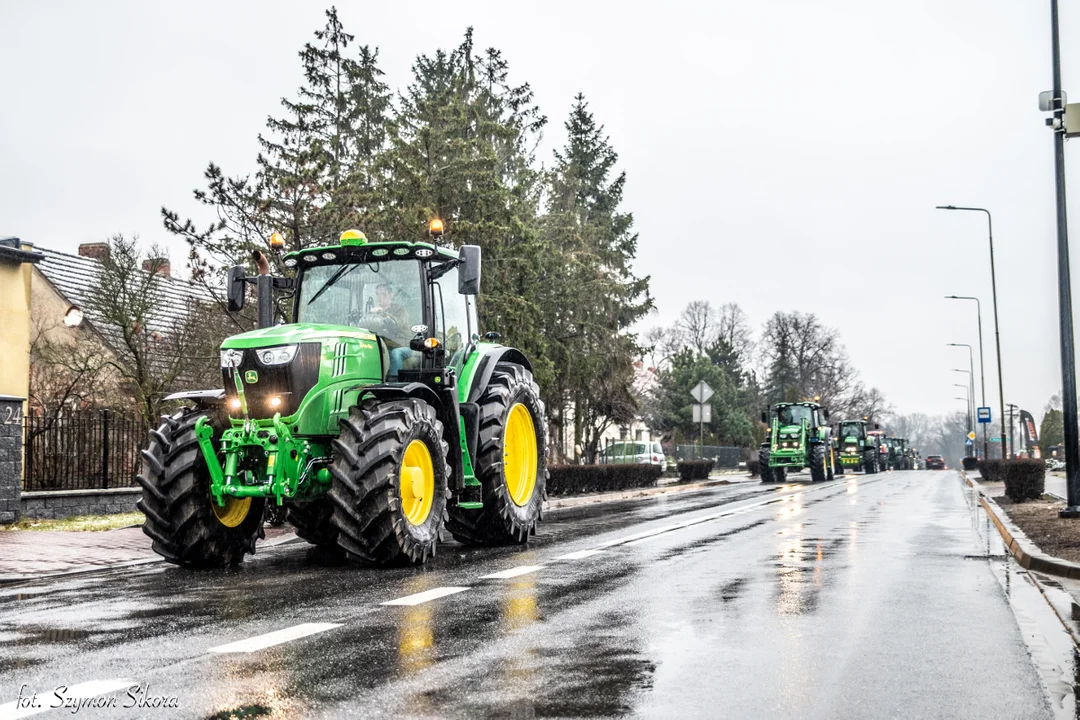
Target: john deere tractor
x=905, y=455
x=376, y=417
x=857, y=449
x=892, y=446
x=799, y=437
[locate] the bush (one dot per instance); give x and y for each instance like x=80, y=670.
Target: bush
x=754, y=466
x=577, y=479
x=695, y=469
x=992, y=470
x=970, y=463
x=1025, y=479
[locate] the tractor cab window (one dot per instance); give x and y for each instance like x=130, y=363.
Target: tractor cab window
x=851, y=430
x=383, y=297
x=795, y=414
x=452, y=317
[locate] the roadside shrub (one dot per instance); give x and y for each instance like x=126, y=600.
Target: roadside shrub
x=991, y=470
x=971, y=463
x=754, y=466
x=577, y=479
x=1025, y=479
x=695, y=469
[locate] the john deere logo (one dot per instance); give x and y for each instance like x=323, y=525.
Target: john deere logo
x=251, y=376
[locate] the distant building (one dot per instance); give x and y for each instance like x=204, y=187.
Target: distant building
x=17, y=260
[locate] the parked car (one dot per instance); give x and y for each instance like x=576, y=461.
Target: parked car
x=643, y=453
x=935, y=462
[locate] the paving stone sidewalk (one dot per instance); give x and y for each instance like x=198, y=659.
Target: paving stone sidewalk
x=31, y=554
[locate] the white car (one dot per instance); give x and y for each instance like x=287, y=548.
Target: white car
x=643, y=453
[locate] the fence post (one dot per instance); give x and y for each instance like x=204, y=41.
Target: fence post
x=104, y=449
x=11, y=454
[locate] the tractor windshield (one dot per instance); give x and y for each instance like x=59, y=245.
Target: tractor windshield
x=795, y=414
x=851, y=429
x=383, y=297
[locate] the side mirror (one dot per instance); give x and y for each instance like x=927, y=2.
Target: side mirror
x=876, y=426
x=235, y=288
x=765, y=416
x=825, y=414
x=469, y=270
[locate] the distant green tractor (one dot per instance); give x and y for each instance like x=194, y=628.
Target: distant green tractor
x=858, y=450
x=892, y=445
x=905, y=455
x=376, y=418
x=799, y=437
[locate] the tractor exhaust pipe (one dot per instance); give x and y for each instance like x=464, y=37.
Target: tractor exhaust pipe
x=264, y=287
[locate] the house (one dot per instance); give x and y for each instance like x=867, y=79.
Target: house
x=645, y=382
x=17, y=261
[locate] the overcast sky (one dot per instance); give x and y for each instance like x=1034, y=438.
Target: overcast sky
x=782, y=155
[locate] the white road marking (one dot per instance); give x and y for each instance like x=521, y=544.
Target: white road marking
x=277, y=637
x=579, y=555
x=48, y=701
x=425, y=596
x=512, y=572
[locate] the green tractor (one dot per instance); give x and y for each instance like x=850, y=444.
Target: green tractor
x=905, y=455
x=376, y=418
x=857, y=448
x=893, y=453
x=799, y=437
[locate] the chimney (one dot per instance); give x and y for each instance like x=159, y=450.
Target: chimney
x=163, y=269
x=94, y=251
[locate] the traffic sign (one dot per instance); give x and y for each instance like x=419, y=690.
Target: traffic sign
x=971, y=436
x=702, y=392
x=969, y=442
x=984, y=415
x=702, y=413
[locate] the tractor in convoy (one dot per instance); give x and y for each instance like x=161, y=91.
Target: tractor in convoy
x=858, y=450
x=906, y=455
x=798, y=437
x=878, y=438
x=893, y=446
x=378, y=416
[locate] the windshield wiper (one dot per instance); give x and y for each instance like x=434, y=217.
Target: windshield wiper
x=341, y=272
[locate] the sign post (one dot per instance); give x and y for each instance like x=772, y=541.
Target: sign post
x=702, y=411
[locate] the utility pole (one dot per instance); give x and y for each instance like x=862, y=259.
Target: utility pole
x=1068, y=357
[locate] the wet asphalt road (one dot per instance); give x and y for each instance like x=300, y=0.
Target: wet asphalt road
x=869, y=596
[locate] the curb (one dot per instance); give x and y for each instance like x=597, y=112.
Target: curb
x=1027, y=554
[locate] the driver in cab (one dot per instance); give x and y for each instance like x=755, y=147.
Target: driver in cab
x=397, y=332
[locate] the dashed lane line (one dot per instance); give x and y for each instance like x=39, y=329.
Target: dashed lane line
x=512, y=572
x=426, y=596
x=277, y=637
x=32, y=704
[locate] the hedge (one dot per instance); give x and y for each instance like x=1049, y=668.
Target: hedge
x=992, y=470
x=971, y=463
x=1025, y=479
x=695, y=469
x=577, y=479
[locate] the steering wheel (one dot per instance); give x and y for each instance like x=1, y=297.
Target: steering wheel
x=379, y=323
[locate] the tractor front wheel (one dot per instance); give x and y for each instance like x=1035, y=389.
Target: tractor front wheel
x=511, y=462
x=187, y=526
x=818, y=471
x=390, y=482
x=767, y=474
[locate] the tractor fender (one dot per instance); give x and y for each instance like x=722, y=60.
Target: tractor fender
x=202, y=398
x=390, y=391
x=487, y=364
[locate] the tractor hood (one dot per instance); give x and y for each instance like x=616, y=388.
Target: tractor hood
x=790, y=429
x=294, y=333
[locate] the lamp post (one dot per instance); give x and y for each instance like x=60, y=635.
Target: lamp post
x=993, y=285
x=971, y=377
x=967, y=393
x=982, y=361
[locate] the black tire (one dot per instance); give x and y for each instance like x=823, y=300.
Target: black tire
x=368, y=512
x=767, y=474
x=818, y=471
x=180, y=514
x=314, y=522
x=275, y=515
x=869, y=463
x=840, y=469
x=780, y=474
x=504, y=520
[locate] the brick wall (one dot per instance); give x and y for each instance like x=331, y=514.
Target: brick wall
x=54, y=505
x=10, y=458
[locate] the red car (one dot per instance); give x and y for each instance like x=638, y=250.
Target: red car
x=935, y=462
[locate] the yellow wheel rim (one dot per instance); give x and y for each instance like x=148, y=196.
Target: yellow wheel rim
x=234, y=512
x=519, y=455
x=417, y=485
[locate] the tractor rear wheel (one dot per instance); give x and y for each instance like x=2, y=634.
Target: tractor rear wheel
x=767, y=474
x=818, y=471
x=511, y=462
x=186, y=525
x=314, y=522
x=389, y=484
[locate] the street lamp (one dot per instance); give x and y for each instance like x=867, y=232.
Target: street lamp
x=971, y=377
x=993, y=285
x=982, y=361
x=971, y=406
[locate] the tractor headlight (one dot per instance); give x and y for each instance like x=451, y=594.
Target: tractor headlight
x=850, y=449
x=278, y=355
x=231, y=358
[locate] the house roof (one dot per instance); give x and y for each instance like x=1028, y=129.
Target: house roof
x=75, y=277
x=11, y=251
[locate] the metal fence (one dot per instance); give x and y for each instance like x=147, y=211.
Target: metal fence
x=724, y=457
x=86, y=450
